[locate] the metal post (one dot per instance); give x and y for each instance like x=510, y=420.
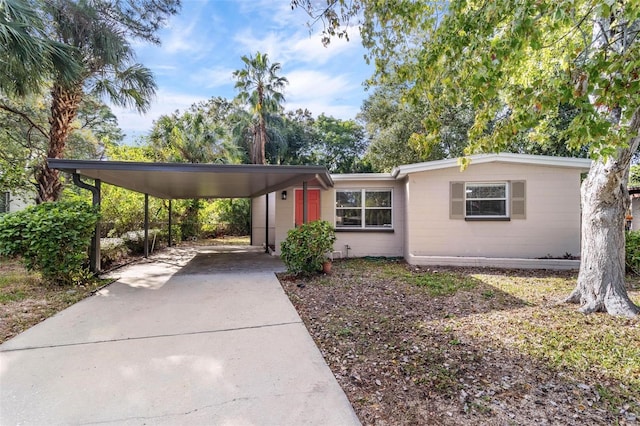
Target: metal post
x=146, y=225
x=266, y=224
x=305, y=207
x=94, y=253
x=97, y=199
x=169, y=223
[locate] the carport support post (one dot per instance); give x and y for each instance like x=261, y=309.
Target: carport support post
x=305, y=209
x=94, y=253
x=169, y=243
x=266, y=224
x=146, y=225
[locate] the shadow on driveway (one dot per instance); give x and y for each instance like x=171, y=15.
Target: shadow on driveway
x=190, y=336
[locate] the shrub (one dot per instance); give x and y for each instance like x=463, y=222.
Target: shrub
x=52, y=238
x=112, y=250
x=306, y=247
x=632, y=251
x=227, y=216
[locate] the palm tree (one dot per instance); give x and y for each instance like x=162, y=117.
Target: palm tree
x=98, y=32
x=27, y=55
x=260, y=86
x=193, y=137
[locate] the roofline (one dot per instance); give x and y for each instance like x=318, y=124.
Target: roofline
x=348, y=177
x=537, y=160
x=73, y=166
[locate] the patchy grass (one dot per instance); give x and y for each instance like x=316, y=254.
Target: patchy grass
x=470, y=346
x=26, y=300
x=442, y=284
x=225, y=240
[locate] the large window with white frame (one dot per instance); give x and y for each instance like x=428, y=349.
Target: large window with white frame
x=486, y=200
x=364, y=208
x=480, y=201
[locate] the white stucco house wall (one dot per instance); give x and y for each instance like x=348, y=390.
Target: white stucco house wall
x=15, y=201
x=504, y=210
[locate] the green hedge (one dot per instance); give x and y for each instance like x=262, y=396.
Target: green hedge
x=51, y=238
x=632, y=251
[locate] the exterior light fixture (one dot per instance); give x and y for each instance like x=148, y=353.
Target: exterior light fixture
x=283, y=195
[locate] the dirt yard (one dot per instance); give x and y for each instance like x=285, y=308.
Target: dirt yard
x=469, y=346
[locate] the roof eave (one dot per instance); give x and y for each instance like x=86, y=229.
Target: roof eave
x=540, y=160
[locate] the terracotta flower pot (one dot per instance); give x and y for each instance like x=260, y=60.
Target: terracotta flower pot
x=326, y=267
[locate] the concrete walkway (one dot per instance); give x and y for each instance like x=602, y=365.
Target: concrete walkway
x=189, y=337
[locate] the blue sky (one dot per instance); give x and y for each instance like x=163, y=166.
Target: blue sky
x=202, y=46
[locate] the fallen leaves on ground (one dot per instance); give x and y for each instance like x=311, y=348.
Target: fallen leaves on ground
x=468, y=346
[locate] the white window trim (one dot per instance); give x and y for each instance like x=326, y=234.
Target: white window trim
x=363, y=208
x=506, y=200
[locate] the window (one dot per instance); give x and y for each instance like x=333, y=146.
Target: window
x=487, y=200
x=4, y=202
x=364, y=208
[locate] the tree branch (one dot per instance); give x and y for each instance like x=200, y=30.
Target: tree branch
x=26, y=118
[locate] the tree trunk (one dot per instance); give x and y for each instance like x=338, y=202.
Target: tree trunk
x=259, y=142
x=64, y=107
x=605, y=200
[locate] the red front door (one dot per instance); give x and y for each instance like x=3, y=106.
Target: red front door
x=313, y=205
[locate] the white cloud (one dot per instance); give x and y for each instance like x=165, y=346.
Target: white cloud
x=271, y=44
x=180, y=38
x=298, y=47
x=213, y=77
x=133, y=123
x=310, y=49
x=321, y=93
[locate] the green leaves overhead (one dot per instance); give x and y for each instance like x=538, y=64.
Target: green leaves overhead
x=517, y=61
x=27, y=55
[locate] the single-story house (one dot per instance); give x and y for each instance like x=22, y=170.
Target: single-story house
x=503, y=210
x=507, y=210
x=15, y=201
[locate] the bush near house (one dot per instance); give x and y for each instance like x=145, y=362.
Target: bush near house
x=51, y=238
x=632, y=251
x=306, y=247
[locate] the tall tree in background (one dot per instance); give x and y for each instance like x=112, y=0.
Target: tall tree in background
x=261, y=87
x=25, y=142
x=518, y=62
x=97, y=33
x=299, y=135
x=340, y=145
x=198, y=135
x=398, y=135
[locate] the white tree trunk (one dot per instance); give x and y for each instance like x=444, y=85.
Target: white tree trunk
x=605, y=199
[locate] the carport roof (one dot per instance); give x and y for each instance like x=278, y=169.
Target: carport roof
x=185, y=180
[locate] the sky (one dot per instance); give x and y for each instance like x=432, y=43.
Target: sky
x=202, y=46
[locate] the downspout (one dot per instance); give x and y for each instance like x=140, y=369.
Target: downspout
x=94, y=254
x=266, y=226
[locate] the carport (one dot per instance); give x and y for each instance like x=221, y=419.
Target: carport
x=172, y=181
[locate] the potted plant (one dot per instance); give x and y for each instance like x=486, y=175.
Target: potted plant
x=306, y=247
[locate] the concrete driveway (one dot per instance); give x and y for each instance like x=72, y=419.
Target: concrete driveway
x=201, y=337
